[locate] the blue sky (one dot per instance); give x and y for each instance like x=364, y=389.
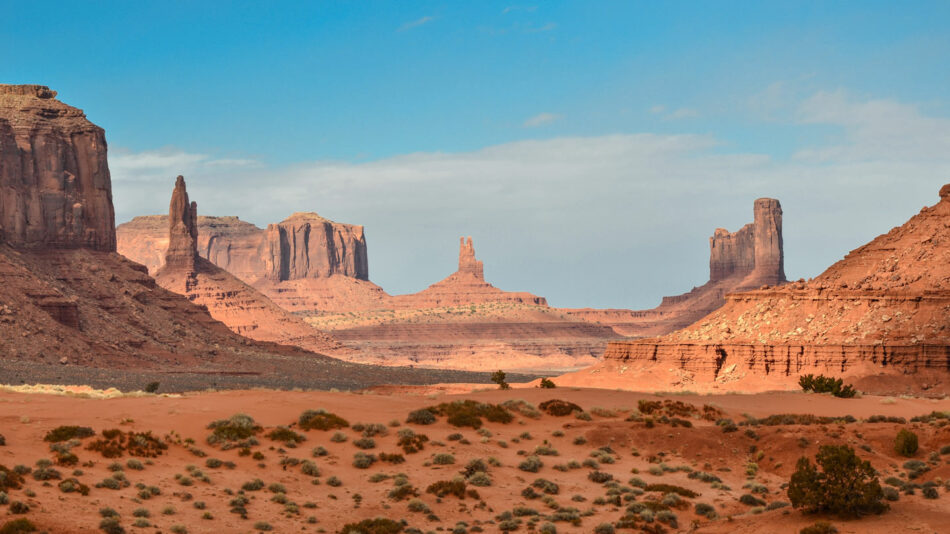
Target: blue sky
x=569, y=139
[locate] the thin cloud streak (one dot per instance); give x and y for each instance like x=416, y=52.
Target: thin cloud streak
x=415, y=23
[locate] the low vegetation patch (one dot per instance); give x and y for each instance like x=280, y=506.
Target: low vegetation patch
x=455, y=487
x=285, y=435
x=237, y=431
x=321, y=420
x=559, y=408
x=905, y=443
x=826, y=384
x=380, y=525
x=66, y=433
x=114, y=443
x=469, y=413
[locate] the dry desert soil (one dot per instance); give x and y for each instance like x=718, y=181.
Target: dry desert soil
x=574, y=472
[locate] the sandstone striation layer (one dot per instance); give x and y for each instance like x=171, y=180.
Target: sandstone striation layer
x=882, y=311
x=239, y=306
x=55, y=188
x=746, y=259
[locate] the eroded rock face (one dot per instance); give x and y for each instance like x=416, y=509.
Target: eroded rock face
x=755, y=252
x=303, y=246
x=55, y=187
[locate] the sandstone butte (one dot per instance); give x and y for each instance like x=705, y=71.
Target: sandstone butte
x=738, y=261
x=879, y=318
x=303, y=263
x=229, y=300
x=73, y=310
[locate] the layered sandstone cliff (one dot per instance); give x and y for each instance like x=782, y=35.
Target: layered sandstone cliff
x=746, y=259
x=882, y=310
x=304, y=263
x=55, y=188
x=239, y=306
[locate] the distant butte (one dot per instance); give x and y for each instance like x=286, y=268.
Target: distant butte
x=746, y=259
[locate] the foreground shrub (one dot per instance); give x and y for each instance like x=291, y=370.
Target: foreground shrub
x=115, y=442
x=66, y=433
x=559, y=408
x=845, y=486
x=379, y=525
x=670, y=488
x=18, y=526
x=906, y=443
x=236, y=431
x=421, y=417
x=821, y=527
x=455, y=487
x=826, y=384
x=285, y=435
x=469, y=413
x=321, y=420
x=9, y=479
x=411, y=442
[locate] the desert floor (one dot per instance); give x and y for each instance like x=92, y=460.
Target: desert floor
x=193, y=496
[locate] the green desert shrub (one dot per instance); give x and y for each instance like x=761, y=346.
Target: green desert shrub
x=547, y=383
x=18, y=526
x=443, y=459
x=285, y=435
x=469, y=413
x=841, y=484
x=825, y=384
x=321, y=420
x=559, y=408
x=361, y=460
x=905, y=443
x=531, y=464
x=68, y=432
x=236, y=431
x=421, y=417
x=379, y=525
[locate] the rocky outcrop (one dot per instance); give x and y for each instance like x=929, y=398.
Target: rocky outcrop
x=882, y=310
x=746, y=259
x=464, y=287
x=55, y=188
x=239, y=306
x=306, y=245
x=467, y=262
x=182, y=250
x=303, y=246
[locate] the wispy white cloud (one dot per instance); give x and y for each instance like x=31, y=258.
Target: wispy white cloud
x=658, y=108
x=541, y=119
x=550, y=26
x=415, y=23
x=683, y=113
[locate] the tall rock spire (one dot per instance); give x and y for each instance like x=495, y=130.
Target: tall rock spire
x=755, y=252
x=467, y=262
x=182, y=251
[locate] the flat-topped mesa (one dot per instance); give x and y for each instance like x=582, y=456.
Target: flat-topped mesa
x=182, y=251
x=55, y=187
x=467, y=262
x=306, y=245
x=755, y=252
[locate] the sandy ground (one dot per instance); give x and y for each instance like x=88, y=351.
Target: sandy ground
x=25, y=419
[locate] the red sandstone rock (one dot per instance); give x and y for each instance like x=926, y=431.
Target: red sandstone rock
x=883, y=309
x=182, y=231
x=55, y=188
x=467, y=262
x=229, y=300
